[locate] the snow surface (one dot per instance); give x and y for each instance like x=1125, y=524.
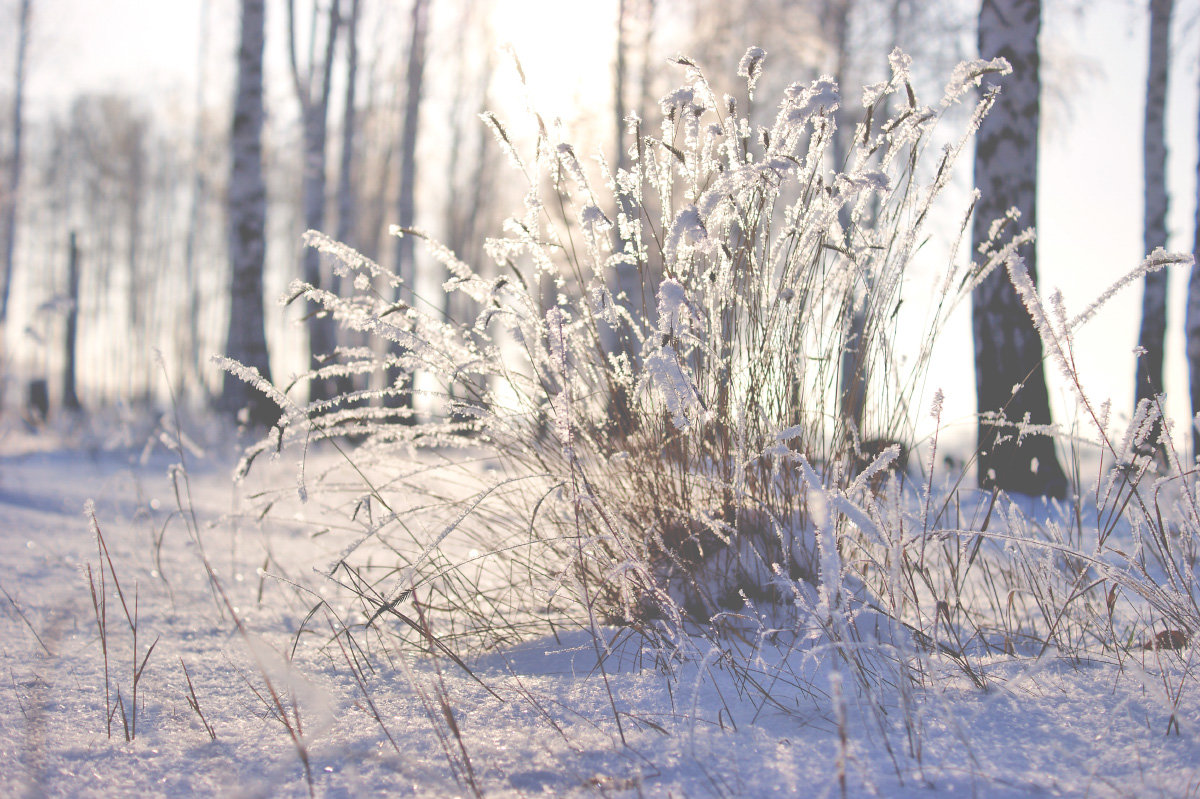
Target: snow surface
x=1044, y=727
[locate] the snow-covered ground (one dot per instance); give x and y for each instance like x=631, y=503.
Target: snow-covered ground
x=540, y=719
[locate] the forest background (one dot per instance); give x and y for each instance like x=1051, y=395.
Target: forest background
x=126, y=121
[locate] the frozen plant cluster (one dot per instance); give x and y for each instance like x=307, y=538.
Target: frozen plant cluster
x=684, y=379
x=656, y=351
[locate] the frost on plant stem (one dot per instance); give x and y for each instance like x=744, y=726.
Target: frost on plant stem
x=1159, y=259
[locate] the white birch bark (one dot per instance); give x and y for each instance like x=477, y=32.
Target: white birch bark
x=466, y=178
x=1192, y=321
x=191, y=371
x=12, y=188
x=347, y=211
x=312, y=91
x=406, y=198
x=70, y=396
x=1009, y=375
x=626, y=284
x=247, y=341
x=1149, y=374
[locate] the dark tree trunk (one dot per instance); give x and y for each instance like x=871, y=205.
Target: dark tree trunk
x=313, y=90
x=13, y=187
x=466, y=182
x=346, y=208
x=627, y=282
x=70, y=397
x=190, y=368
x=1149, y=375
x=852, y=389
x=247, y=342
x=1010, y=380
x=1192, y=322
x=406, y=199
x=134, y=195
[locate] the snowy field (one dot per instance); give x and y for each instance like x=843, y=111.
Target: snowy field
x=761, y=715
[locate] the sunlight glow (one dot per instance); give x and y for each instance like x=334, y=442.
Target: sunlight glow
x=565, y=49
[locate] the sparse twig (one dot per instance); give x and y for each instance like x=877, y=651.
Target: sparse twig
x=194, y=702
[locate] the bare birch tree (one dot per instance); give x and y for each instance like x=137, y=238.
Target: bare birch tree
x=247, y=341
x=70, y=395
x=346, y=200
x=346, y=211
x=313, y=85
x=627, y=283
x=188, y=349
x=1149, y=375
x=468, y=184
x=12, y=186
x=1192, y=321
x=835, y=23
x=1010, y=380
x=414, y=77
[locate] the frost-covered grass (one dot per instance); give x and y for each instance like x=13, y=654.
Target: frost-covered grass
x=754, y=711
x=668, y=365
x=640, y=541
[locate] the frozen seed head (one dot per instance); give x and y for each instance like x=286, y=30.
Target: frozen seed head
x=673, y=308
x=969, y=74
x=591, y=216
x=872, y=92
x=677, y=101
x=820, y=96
x=689, y=225
x=901, y=64
x=750, y=68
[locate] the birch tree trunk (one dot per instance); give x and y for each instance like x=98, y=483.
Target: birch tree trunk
x=134, y=190
x=70, y=396
x=466, y=177
x=190, y=369
x=346, y=205
x=312, y=91
x=645, y=77
x=852, y=389
x=1192, y=321
x=627, y=283
x=406, y=199
x=247, y=341
x=12, y=186
x=346, y=210
x=1010, y=381
x=1149, y=375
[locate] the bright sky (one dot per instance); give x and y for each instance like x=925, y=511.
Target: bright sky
x=1090, y=182
x=107, y=44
